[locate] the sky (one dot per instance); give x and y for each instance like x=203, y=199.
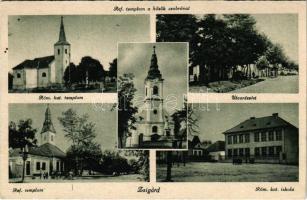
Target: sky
x=282, y=29
x=214, y=122
x=99, y=114
x=95, y=36
x=172, y=61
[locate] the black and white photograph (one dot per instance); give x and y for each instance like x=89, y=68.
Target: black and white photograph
x=238, y=53
x=236, y=143
x=69, y=143
x=152, y=88
x=75, y=53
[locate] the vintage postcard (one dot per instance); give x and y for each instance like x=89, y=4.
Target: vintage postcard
x=153, y=100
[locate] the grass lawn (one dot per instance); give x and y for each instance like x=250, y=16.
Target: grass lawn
x=227, y=172
x=223, y=86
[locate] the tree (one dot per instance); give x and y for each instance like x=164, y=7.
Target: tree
x=179, y=28
x=70, y=74
x=113, y=68
x=82, y=134
x=142, y=163
x=90, y=68
x=262, y=63
x=186, y=114
x=126, y=110
x=22, y=137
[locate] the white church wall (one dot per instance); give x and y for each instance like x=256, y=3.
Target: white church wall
x=52, y=72
x=19, y=80
x=31, y=78
x=43, y=81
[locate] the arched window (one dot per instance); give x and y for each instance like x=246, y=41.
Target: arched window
x=154, y=129
x=65, y=51
x=44, y=74
x=52, y=138
x=58, y=51
x=18, y=75
x=155, y=90
x=155, y=111
x=145, y=91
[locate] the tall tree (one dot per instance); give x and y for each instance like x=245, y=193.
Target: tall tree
x=22, y=137
x=82, y=134
x=126, y=109
x=91, y=69
x=70, y=74
x=113, y=68
x=262, y=64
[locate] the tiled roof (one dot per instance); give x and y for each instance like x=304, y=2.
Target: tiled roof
x=260, y=123
x=46, y=150
x=217, y=146
x=42, y=62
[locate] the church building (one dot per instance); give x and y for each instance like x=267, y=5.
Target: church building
x=154, y=126
x=46, y=158
x=44, y=71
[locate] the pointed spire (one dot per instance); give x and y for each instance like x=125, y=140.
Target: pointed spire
x=48, y=126
x=62, y=36
x=154, y=68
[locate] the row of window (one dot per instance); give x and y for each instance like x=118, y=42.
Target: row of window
x=19, y=75
x=263, y=151
x=268, y=136
x=258, y=136
x=197, y=152
x=40, y=166
x=59, y=51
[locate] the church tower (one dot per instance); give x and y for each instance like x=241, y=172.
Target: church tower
x=153, y=102
x=154, y=126
x=48, y=131
x=61, y=55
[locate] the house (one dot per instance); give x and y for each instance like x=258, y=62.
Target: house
x=216, y=151
x=46, y=158
x=154, y=127
x=196, y=152
x=269, y=139
x=44, y=71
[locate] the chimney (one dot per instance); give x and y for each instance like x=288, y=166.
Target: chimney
x=253, y=118
x=275, y=114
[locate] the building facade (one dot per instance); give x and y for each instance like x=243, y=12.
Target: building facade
x=268, y=139
x=155, y=127
x=44, y=71
x=46, y=158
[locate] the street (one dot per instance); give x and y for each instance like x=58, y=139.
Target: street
x=281, y=84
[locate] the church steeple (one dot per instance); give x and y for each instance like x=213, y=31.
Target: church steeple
x=61, y=55
x=48, y=125
x=154, y=71
x=62, y=36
